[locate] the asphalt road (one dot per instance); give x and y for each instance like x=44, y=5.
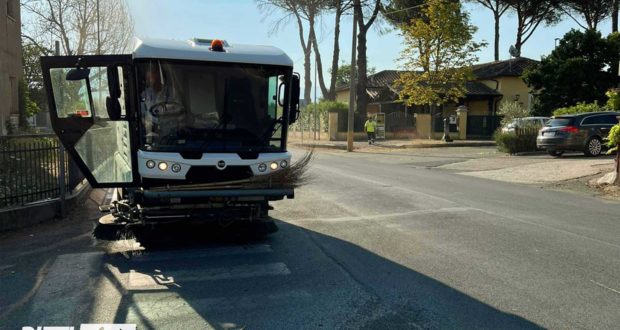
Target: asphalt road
x=374, y=241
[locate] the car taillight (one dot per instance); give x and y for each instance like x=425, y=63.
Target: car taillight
x=570, y=129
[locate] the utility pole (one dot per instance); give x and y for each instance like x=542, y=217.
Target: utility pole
x=350, y=116
x=316, y=115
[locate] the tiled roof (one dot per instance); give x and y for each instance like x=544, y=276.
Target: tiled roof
x=476, y=88
x=512, y=68
x=379, y=81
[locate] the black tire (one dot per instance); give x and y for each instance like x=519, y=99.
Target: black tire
x=594, y=147
x=555, y=153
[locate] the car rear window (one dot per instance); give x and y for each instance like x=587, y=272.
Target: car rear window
x=558, y=122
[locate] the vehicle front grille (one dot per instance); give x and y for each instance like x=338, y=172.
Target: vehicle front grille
x=210, y=174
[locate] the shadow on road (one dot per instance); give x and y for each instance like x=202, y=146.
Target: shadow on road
x=392, y=296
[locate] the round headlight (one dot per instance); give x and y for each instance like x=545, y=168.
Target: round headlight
x=262, y=167
x=283, y=164
x=163, y=166
x=150, y=163
x=176, y=168
x=274, y=166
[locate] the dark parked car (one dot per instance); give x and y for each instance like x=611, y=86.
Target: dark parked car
x=586, y=132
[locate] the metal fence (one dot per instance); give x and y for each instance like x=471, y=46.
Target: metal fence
x=399, y=121
x=527, y=131
x=30, y=169
x=482, y=126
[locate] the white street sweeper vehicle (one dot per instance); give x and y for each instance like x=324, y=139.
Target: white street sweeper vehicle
x=185, y=130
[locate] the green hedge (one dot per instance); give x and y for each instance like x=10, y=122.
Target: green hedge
x=580, y=108
x=512, y=143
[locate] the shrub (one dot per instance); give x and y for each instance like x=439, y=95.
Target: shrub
x=580, y=108
x=613, y=99
x=614, y=139
x=513, y=143
x=511, y=110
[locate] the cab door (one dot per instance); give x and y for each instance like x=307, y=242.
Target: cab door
x=91, y=102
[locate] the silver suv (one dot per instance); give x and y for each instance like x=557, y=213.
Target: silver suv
x=586, y=132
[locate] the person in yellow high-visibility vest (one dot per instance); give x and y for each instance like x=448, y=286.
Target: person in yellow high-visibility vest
x=370, y=126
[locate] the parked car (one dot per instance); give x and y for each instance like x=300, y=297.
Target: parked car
x=525, y=122
x=586, y=132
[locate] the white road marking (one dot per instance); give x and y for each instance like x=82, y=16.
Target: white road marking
x=511, y=218
x=389, y=215
x=39, y=279
x=164, y=280
x=53, y=246
x=380, y=183
x=605, y=287
x=4, y=267
x=203, y=253
x=64, y=294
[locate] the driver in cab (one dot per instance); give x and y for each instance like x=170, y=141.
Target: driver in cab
x=162, y=109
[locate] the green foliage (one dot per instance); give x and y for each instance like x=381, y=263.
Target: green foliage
x=614, y=139
x=579, y=108
x=513, y=143
x=511, y=110
x=441, y=45
x=323, y=109
x=398, y=12
x=27, y=107
x=581, y=69
x=343, y=75
x=613, y=99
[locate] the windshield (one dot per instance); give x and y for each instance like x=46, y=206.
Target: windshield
x=210, y=107
x=559, y=122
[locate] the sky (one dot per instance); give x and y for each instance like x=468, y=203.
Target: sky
x=240, y=21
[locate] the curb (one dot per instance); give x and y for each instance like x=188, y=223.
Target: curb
x=406, y=146
x=42, y=211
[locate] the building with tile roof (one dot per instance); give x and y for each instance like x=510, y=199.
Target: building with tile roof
x=495, y=81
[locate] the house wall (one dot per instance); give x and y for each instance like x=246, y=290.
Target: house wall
x=513, y=88
x=342, y=96
x=478, y=108
x=10, y=60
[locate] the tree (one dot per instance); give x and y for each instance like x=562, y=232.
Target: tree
x=438, y=54
x=398, y=12
x=580, y=69
x=499, y=8
x=592, y=11
x=614, y=15
x=343, y=74
x=530, y=14
x=302, y=11
x=511, y=110
x=78, y=25
x=33, y=76
x=27, y=107
x=339, y=7
x=366, y=12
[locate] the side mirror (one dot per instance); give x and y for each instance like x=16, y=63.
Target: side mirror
x=113, y=105
x=294, y=106
x=78, y=74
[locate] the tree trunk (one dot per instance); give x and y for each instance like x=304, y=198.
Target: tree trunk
x=307, y=76
x=519, y=41
x=362, y=97
x=497, y=18
x=319, y=63
x=614, y=16
x=331, y=96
